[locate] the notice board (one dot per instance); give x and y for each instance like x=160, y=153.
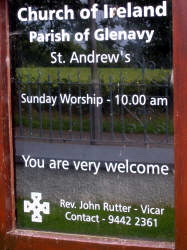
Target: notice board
x=93, y=122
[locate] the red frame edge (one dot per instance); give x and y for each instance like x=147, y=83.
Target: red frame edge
x=180, y=104
x=7, y=216
x=10, y=238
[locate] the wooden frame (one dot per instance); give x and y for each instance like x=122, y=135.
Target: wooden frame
x=10, y=238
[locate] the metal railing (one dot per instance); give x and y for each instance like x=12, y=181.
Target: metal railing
x=126, y=115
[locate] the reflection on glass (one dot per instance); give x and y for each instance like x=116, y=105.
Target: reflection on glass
x=93, y=117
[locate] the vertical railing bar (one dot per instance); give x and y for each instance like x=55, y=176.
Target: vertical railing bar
x=29, y=83
x=167, y=111
x=122, y=108
x=101, y=112
x=20, y=106
x=40, y=108
x=70, y=109
x=111, y=108
x=80, y=107
x=90, y=111
x=59, y=106
x=50, y=109
x=144, y=107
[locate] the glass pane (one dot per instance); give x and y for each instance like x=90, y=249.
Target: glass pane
x=93, y=117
